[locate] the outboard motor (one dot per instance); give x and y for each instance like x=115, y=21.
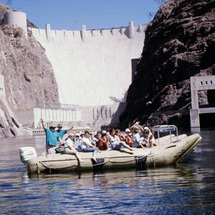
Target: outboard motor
x=26, y=153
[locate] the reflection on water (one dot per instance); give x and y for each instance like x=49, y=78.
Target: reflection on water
x=187, y=188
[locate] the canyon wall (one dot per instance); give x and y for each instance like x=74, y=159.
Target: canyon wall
x=28, y=75
x=179, y=43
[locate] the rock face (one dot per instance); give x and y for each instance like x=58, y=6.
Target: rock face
x=3, y=9
x=179, y=43
x=29, y=79
x=28, y=74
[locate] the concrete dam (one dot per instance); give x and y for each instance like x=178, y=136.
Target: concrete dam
x=93, y=68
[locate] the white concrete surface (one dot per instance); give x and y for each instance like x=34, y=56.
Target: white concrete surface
x=31, y=117
x=91, y=66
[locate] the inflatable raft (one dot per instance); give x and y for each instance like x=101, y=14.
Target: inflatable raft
x=171, y=149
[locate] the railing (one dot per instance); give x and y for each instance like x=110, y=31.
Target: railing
x=55, y=105
x=164, y=129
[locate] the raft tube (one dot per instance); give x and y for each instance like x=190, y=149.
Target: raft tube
x=167, y=153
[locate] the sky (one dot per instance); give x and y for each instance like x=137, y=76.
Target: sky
x=95, y=14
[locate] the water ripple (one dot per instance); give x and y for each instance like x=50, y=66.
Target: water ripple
x=187, y=188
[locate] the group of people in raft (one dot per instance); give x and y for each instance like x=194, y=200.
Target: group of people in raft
x=134, y=137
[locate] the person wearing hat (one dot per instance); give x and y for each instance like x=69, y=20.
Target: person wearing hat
x=128, y=137
x=51, y=138
x=149, y=137
x=70, y=148
x=87, y=146
x=137, y=135
x=61, y=132
x=77, y=140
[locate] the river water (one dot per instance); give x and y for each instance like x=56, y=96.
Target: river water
x=188, y=188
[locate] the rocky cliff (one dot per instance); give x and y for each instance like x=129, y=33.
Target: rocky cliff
x=28, y=74
x=179, y=43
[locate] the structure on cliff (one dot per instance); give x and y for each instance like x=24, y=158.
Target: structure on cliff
x=179, y=44
x=16, y=19
x=93, y=68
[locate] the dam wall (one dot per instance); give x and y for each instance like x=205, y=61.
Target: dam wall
x=93, y=70
x=92, y=67
x=31, y=118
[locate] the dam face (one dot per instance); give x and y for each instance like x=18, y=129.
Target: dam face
x=92, y=66
x=93, y=70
